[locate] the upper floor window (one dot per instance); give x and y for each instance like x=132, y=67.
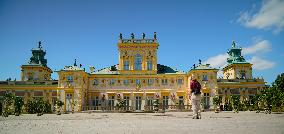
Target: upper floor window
x=137, y=81
x=112, y=81
x=149, y=65
x=70, y=78
x=205, y=78
x=138, y=62
x=96, y=82
x=180, y=81
x=126, y=65
x=243, y=74
x=150, y=81
x=125, y=82
x=164, y=81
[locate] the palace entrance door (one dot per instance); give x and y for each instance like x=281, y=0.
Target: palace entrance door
x=68, y=102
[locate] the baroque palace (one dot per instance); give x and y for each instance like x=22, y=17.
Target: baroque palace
x=137, y=79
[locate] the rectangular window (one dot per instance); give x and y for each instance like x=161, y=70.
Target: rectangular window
x=112, y=81
x=150, y=81
x=96, y=82
x=126, y=65
x=205, y=78
x=70, y=78
x=164, y=81
x=180, y=81
x=125, y=82
x=137, y=81
x=149, y=65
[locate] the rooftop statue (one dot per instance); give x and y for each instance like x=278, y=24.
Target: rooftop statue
x=39, y=45
x=132, y=35
x=155, y=35
x=120, y=36
x=75, y=63
x=234, y=44
x=143, y=35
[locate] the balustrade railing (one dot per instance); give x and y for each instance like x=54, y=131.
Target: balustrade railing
x=147, y=108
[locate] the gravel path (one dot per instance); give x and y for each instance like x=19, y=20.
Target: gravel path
x=145, y=123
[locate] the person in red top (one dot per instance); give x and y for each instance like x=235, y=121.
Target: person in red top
x=195, y=88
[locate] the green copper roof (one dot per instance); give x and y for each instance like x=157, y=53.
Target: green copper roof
x=38, y=56
x=235, y=55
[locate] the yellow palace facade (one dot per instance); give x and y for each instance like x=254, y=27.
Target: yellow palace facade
x=137, y=79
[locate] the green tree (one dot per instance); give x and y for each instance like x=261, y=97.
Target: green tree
x=8, y=101
x=156, y=105
x=278, y=93
x=18, y=105
x=271, y=98
x=59, y=105
x=216, y=103
x=30, y=106
x=235, y=101
x=47, y=107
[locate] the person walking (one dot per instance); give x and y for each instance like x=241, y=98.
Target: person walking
x=195, y=88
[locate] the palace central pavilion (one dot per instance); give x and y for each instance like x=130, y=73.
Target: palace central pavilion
x=137, y=79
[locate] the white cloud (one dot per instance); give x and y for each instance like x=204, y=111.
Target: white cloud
x=218, y=60
x=270, y=16
x=260, y=47
x=261, y=64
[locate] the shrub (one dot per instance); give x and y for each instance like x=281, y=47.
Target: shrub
x=8, y=101
x=18, y=105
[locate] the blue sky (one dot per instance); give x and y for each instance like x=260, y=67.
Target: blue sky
x=186, y=30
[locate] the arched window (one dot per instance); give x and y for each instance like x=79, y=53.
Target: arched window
x=138, y=62
x=149, y=65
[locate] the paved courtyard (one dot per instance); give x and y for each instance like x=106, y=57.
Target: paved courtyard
x=145, y=123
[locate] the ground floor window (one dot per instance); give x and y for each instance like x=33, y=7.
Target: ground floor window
x=149, y=103
x=95, y=102
x=111, y=102
x=126, y=100
x=165, y=102
x=138, y=102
